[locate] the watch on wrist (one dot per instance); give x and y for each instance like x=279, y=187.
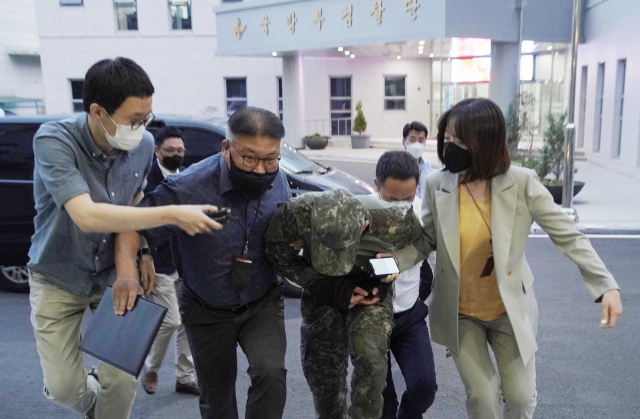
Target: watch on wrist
x=146, y=251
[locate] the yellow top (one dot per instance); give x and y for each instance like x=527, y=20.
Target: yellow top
x=478, y=297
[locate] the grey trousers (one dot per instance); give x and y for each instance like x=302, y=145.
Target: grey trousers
x=56, y=316
x=166, y=296
x=513, y=382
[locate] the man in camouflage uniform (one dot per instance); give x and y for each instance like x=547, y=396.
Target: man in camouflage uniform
x=341, y=233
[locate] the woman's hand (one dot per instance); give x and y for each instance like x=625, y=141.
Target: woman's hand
x=611, y=309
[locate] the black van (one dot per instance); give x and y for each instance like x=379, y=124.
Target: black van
x=203, y=138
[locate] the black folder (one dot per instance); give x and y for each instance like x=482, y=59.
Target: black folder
x=123, y=341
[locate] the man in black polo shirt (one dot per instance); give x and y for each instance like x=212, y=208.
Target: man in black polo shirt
x=231, y=295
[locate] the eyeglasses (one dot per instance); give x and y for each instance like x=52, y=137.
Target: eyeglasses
x=144, y=122
x=171, y=150
x=251, y=162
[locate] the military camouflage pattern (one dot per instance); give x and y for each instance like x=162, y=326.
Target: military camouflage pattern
x=391, y=227
x=337, y=223
x=329, y=336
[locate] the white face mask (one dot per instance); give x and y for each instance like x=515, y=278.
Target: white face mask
x=126, y=138
x=415, y=149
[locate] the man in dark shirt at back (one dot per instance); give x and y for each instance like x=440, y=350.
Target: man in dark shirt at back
x=231, y=295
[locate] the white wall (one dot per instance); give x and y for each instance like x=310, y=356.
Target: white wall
x=20, y=74
x=367, y=85
x=186, y=73
x=610, y=36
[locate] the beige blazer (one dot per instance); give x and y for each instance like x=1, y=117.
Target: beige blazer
x=517, y=199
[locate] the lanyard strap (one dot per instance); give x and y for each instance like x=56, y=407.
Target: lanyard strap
x=477, y=206
x=249, y=229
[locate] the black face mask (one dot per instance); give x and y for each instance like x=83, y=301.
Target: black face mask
x=172, y=163
x=456, y=159
x=254, y=185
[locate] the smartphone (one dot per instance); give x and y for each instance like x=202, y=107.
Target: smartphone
x=384, y=266
x=221, y=216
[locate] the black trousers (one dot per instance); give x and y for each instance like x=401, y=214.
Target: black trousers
x=213, y=337
x=411, y=347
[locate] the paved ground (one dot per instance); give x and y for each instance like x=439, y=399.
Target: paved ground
x=609, y=200
x=583, y=372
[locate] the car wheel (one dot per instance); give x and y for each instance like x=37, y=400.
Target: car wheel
x=14, y=278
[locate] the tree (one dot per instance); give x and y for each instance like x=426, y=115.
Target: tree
x=553, y=152
x=359, y=123
x=513, y=131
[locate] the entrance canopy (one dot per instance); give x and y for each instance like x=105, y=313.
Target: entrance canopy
x=262, y=28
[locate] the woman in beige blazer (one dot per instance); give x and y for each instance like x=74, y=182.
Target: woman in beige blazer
x=477, y=213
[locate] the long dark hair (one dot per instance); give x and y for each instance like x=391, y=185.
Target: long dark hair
x=479, y=125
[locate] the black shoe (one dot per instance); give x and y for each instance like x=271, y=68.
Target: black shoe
x=188, y=388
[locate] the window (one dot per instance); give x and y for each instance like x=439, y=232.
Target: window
x=340, y=105
x=526, y=67
x=597, y=130
x=180, y=14
x=127, y=15
x=70, y=2
x=236, y=95
x=280, y=107
x=394, y=93
x=583, y=106
x=618, y=109
x=77, y=86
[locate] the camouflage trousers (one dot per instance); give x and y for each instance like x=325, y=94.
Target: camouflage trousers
x=329, y=336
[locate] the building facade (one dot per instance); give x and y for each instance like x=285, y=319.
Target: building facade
x=608, y=86
x=21, y=89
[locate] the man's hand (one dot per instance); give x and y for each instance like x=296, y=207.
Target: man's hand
x=297, y=244
x=611, y=308
x=148, y=272
x=392, y=277
x=125, y=292
x=193, y=220
x=360, y=297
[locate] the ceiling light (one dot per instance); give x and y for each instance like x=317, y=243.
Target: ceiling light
x=421, y=42
x=275, y=54
x=421, y=47
x=346, y=53
x=340, y=49
x=432, y=55
x=399, y=56
x=550, y=47
x=421, y=52
x=353, y=55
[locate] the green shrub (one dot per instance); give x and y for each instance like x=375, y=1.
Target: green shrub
x=359, y=123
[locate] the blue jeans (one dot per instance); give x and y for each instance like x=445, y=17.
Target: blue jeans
x=411, y=347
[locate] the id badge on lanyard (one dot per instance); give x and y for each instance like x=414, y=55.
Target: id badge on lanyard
x=242, y=267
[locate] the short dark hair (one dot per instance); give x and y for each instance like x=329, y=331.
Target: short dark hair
x=415, y=125
x=479, y=124
x=110, y=82
x=256, y=122
x=398, y=165
x=168, y=132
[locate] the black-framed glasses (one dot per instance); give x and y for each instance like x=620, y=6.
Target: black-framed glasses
x=251, y=162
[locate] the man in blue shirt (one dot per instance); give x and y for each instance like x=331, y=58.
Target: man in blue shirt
x=89, y=170
x=231, y=295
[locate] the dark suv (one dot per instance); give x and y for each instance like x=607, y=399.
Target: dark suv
x=203, y=139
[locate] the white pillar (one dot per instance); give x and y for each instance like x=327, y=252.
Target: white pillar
x=293, y=100
x=503, y=86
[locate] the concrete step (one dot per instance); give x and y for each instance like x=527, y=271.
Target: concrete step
x=580, y=156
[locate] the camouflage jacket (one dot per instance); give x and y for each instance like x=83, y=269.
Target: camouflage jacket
x=391, y=227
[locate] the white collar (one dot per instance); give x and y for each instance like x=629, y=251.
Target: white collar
x=166, y=172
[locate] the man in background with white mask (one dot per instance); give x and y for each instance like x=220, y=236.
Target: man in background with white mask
x=414, y=136
x=89, y=171
x=396, y=179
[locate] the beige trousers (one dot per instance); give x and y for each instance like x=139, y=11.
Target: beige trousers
x=56, y=316
x=485, y=387
x=166, y=296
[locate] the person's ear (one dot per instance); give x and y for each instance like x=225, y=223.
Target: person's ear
x=375, y=182
x=156, y=150
x=96, y=111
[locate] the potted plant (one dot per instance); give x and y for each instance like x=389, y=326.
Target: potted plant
x=316, y=141
x=552, y=158
x=360, y=125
